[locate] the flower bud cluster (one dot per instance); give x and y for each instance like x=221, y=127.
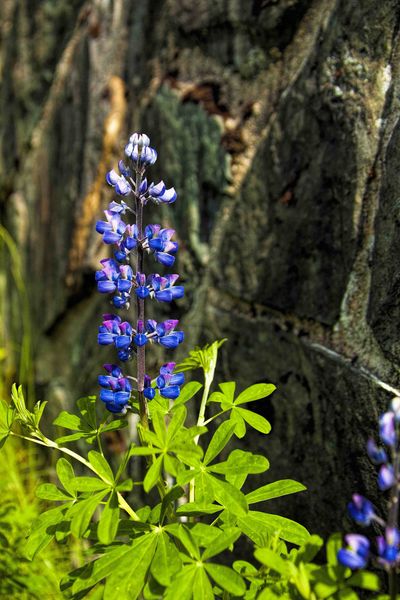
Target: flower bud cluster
x=386, y=551
x=123, y=277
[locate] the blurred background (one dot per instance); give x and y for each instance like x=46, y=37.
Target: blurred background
x=277, y=121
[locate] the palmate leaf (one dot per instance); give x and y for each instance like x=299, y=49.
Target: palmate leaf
x=239, y=415
x=166, y=562
x=85, y=424
x=129, y=577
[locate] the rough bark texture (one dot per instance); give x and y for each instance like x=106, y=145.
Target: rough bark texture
x=278, y=123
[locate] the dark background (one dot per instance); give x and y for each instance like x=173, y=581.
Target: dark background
x=277, y=121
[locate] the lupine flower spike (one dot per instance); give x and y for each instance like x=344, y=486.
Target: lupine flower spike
x=123, y=277
x=385, y=551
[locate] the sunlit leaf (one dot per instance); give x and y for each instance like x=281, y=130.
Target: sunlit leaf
x=255, y=392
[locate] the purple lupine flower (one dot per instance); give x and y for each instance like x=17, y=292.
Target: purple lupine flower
x=115, y=278
x=113, y=229
x=158, y=287
x=148, y=391
x=116, y=390
x=139, y=139
x=114, y=331
x=142, y=290
x=169, y=383
x=143, y=155
x=356, y=554
x=164, y=333
x=119, y=183
x=386, y=477
x=387, y=430
x=159, y=242
x=160, y=195
x=377, y=455
x=361, y=510
x=388, y=547
x=127, y=244
x=140, y=338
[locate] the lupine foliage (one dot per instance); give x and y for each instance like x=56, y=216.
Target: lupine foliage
x=199, y=501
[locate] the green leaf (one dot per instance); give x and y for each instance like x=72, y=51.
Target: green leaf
x=254, y=420
x=176, y=423
x=68, y=421
x=160, y=429
x=114, y=425
x=125, y=486
x=129, y=577
x=255, y=392
x=166, y=562
x=196, y=508
x=228, y=390
x=101, y=466
x=100, y=568
x=66, y=475
x=301, y=581
x=82, y=513
x=38, y=410
x=240, y=425
x=259, y=527
x=347, y=594
x=241, y=462
x=143, y=451
x=89, y=484
x=309, y=550
x=173, y=494
x=230, y=497
x=184, y=535
x=109, y=519
x=153, y=474
x=48, y=491
x=202, y=588
x=187, y=392
x=272, y=560
x=87, y=408
x=42, y=531
x=332, y=548
x=283, y=487
x=182, y=586
x=221, y=543
x=226, y=578
x=6, y=421
x=73, y=437
x=219, y=440
x=365, y=580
